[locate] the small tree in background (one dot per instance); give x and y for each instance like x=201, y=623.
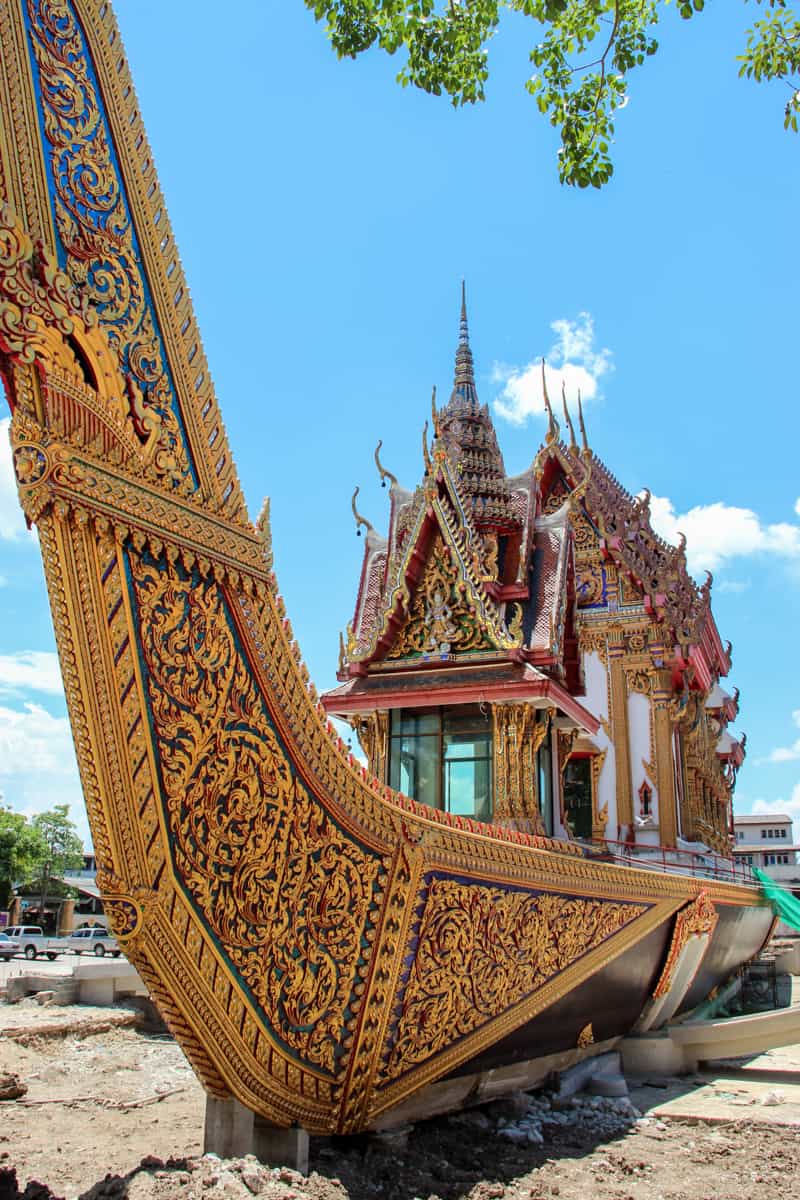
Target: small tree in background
x=64, y=848
x=23, y=852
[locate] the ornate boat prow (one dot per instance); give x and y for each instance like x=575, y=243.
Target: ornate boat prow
x=321, y=946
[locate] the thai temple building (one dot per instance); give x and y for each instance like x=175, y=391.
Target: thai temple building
x=528, y=651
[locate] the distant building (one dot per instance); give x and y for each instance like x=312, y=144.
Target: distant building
x=766, y=841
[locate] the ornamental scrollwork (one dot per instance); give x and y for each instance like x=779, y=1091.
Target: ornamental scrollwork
x=698, y=919
x=589, y=586
x=440, y=620
x=280, y=886
x=102, y=256
x=482, y=950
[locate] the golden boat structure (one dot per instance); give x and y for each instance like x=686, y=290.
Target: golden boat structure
x=330, y=952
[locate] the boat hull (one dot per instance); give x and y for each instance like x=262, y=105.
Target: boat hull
x=322, y=948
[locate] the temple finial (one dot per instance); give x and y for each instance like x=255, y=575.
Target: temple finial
x=573, y=445
x=382, y=469
x=552, y=427
x=465, y=372
x=426, y=454
x=359, y=519
x=434, y=413
x=582, y=425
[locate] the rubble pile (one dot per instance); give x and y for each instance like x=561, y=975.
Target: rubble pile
x=598, y=1116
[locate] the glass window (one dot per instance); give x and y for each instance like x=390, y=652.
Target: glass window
x=578, y=796
x=443, y=757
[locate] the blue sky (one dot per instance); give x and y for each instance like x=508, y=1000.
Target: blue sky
x=325, y=218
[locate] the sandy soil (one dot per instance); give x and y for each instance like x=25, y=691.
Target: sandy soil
x=97, y=1106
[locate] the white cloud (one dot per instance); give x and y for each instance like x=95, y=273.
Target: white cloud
x=37, y=763
x=12, y=522
x=797, y=506
x=782, y=754
x=34, y=669
x=718, y=533
x=791, y=806
x=572, y=360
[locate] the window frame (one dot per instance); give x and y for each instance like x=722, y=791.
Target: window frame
x=483, y=725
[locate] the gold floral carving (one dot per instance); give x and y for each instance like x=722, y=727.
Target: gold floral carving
x=589, y=585
x=593, y=640
x=481, y=950
x=440, y=621
x=599, y=815
x=279, y=885
x=586, y=1036
x=96, y=231
x=638, y=681
x=698, y=919
x=517, y=736
x=372, y=730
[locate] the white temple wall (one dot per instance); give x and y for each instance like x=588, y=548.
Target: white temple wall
x=641, y=749
x=596, y=700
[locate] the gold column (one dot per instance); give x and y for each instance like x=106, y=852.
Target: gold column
x=665, y=767
x=516, y=740
x=372, y=730
x=619, y=727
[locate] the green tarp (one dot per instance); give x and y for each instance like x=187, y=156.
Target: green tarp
x=786, y=906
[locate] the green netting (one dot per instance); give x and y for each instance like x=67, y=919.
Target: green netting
x=786, y=906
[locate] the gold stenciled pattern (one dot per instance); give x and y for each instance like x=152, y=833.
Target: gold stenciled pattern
x=96, y=231
x=279, y=885
x=482, y=950
x=440, y=620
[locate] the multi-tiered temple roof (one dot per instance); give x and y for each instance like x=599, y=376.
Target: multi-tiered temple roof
x=493, y=589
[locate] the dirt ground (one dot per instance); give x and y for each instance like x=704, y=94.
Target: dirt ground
x=120, y=1114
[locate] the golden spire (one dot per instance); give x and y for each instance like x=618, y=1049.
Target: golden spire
x=359, y=519
x=552, y=427
x=434, y=413
x=573, y=445
x=383, y=472
x=582, y=425
x=464, y=380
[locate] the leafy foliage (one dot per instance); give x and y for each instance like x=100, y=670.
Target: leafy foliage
x=582, y=62
x=773, y=52
x=22, y=852
x=48, y=842
x=57, y=831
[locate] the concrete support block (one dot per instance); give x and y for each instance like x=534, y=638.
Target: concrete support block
x=233, y=1131
x=281, y=1147
x=228, y=1128
x=96, y=992
x=655, y=1054
x=105, y=981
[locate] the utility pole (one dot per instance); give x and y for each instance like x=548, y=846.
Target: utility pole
x=45, y=881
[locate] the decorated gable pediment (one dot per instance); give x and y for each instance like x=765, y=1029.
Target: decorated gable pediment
x=441, y=618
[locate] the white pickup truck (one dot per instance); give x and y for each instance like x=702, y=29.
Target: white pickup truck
x=32, y=940
x=94, y=940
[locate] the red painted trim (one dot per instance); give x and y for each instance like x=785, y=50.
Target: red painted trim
x=454, y=693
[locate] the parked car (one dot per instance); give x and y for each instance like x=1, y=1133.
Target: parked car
x=91, y=941
x=9, y=947
x=32, y=939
